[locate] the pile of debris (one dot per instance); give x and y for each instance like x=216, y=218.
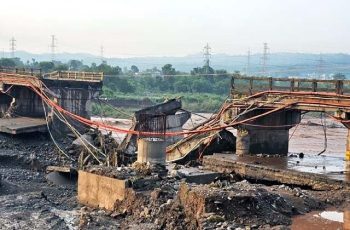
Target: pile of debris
x=171, y=203
x=95, y=148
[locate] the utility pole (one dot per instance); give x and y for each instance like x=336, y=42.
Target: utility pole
x=53, y=47
x=12, y=47
x=101, y=53
x=248, y=63
x=264, y=59
x=320, y=66
x=206, y=54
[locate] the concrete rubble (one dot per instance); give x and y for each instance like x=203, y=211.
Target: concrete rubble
x=100, y=185
x=175, y=197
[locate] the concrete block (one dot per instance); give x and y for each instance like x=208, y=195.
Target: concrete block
x=100, y=191
x=198, y=176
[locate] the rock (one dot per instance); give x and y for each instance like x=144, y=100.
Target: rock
x=175, y=173
x=215, y=218
x=78, y=141
x=71, y=152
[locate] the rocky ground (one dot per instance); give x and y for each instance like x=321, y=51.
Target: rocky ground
x=28, y=200
x=227, y=203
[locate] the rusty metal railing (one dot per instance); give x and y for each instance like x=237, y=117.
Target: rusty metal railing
x=75, y=76
x=155, y=123
x=22, y=71
x=250, y=85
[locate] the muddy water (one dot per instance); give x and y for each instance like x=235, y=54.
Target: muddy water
x=327, y=220
x=332, y=167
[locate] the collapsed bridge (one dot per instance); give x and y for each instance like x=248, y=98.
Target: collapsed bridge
x=263, y=110
x=23, y=110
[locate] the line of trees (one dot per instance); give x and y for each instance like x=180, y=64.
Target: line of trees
x=49, y=66
x=132, y=80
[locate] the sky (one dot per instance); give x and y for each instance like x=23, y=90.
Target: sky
x=127, y=28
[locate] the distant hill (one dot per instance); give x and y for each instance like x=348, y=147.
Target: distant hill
x=279, y=64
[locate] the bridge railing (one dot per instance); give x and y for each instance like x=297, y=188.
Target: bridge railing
x=75, y=76
x=22, y=71
x=241, y=85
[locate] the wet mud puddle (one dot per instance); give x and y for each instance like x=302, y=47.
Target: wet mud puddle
x=327, y=220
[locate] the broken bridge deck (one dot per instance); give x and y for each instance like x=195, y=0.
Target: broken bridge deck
x=317, y=172
x=20, y=125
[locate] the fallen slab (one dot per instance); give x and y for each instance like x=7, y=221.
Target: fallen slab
x=102, y=186
x=196, y=175
x=268, y=170
x=19, y=125
x=61, y=169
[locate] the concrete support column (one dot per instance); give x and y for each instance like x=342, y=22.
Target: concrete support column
x=266, y=135
x=257, y=141
x=152, y=150
x=242, y=142
x=269, y=141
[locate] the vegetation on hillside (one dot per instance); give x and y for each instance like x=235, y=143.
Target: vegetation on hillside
x=202, y=90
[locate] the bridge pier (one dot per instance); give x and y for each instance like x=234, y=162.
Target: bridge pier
x=73, y=91
x=266, y=135
x=75, y=97
x=263, y=141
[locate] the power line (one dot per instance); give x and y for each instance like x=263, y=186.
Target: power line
x=248, y=63
x=53, y=46
x=102, y=53
x=264, y=59
x=207, y=54
x=320, y=66
x=12, y=47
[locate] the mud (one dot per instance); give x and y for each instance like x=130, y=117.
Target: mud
x=28, y=200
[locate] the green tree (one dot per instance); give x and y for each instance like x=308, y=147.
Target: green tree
x=221, y=73
x=61, y=67
x=75, y=65
x=134, y=69
x=109, y=70
x=201, y=85
x=7, y=62
x=182, y=85
x=202, y=70
x=46, y=66
x=168, y=70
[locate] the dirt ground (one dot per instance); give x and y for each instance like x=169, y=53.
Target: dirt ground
x=28, y=200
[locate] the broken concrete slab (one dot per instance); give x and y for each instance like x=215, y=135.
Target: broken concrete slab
x=20, y=125
x=251, y=169
x=194, y=146
x=62, y=169
x=196, y=175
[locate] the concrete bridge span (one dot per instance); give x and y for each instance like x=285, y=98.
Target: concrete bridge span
x=270, y=134
x=73, y=91
x=263, y=110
